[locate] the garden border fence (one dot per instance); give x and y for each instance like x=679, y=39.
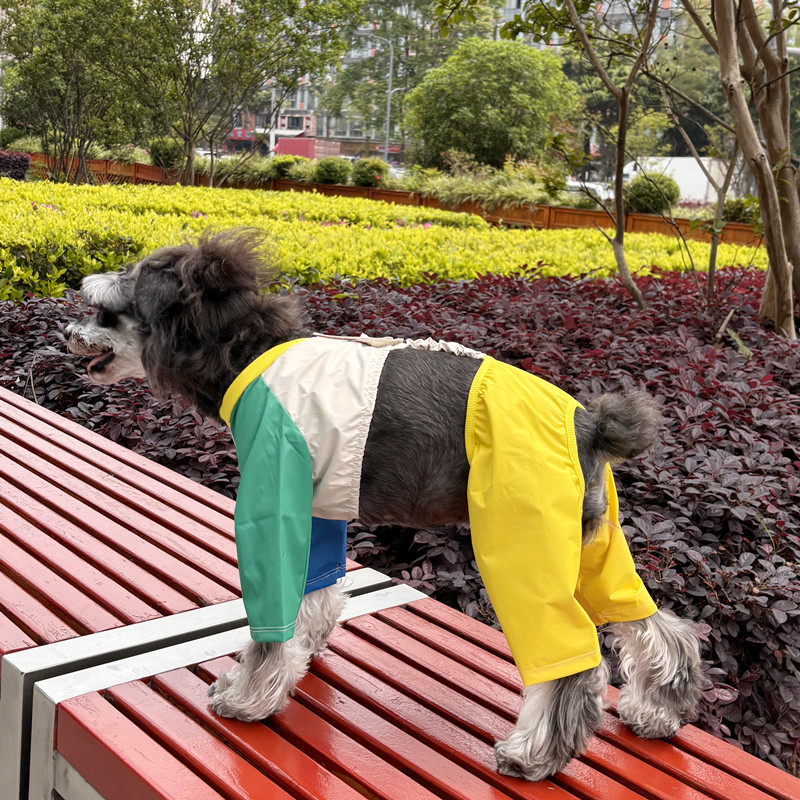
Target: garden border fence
x=523, y=216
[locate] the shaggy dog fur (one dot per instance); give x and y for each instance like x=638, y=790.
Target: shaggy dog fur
x=190, y=318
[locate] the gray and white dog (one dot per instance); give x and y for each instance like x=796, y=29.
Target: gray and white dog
x=190, y=318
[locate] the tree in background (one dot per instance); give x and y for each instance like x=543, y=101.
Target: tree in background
x=491, y=100
x=687, y=77
x=55, y=85
x=617, y=58
x=360, y=85
x=80, y=67
x=754, y=67
x=195, y=63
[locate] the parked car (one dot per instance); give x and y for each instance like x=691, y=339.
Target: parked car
x=603, y=191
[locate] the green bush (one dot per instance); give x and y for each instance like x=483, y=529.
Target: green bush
x=370, y=172
x=282, y=165
x=26, y=144
x=166, y=152
x=127, y=154
x=651, y=194
x=332, y=170
x=8, y=135
x=742, y=209
x=302, y=170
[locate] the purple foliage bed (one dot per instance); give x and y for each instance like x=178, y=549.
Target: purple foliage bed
x=711, y=513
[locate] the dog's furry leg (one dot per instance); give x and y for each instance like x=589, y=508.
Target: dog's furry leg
x=660, y=667
x=268, y=671
x=556, y=722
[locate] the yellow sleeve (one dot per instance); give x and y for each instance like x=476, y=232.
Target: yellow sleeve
x=525, y=504
x=609, y=589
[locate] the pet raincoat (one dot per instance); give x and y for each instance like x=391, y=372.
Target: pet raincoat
x=300, y=417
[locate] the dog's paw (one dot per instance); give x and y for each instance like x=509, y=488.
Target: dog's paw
x=652, y=720
x=517, y=759
x=229, y=699
x=221, y=685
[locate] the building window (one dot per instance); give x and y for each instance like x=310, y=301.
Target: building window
x=294, y=123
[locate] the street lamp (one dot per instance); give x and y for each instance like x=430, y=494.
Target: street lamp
x=389, y=89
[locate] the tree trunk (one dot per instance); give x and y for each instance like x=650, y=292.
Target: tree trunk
x=777, y=301
x=213, y=169
x=619, y=204
x=719, y=211
x=187, y=170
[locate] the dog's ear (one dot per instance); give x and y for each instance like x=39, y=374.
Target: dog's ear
x=227, y=262
x=158, y=289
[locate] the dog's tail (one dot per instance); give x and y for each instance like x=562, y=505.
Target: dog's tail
x=615, y=427
x=624, y=425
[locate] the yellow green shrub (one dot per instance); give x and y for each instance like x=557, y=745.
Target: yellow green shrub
x=53, y=234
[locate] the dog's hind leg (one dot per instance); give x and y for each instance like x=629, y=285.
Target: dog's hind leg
x=556, y=722
x=268, y=671
x=660, y=667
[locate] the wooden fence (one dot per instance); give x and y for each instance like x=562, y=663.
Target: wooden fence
x=516, y=216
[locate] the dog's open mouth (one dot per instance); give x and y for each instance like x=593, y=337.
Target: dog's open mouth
x=100, y=362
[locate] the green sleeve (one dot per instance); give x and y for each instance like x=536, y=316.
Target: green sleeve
x=273, y=513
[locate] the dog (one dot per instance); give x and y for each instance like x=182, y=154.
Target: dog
x=192, y=319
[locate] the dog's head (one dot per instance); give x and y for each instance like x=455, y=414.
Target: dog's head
x=182, y=315
x=113, y=336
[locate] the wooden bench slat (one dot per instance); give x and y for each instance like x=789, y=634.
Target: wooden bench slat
x=29, y=614
x=118, y=463
x=450, y=672
x=684, y=766
x=12, y=637
x=70, y=604
x=291, y=767
x=340, y=753
x=407, y=753
x=426, y=689
x=499, y=670
x=452, y=645
x=166, y=555
x=458, y=744
x=733, y=760
x=219, y=766
x=193, y=546
x=52, y=527
x=118, y=759
x=640, y=775
x=468, y=628
x=629, y=765
x=107, y=481
x=96, y=585
x=223, y=505
x=31, y=431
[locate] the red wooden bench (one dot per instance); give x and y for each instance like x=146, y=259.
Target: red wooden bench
x=103, y=553
x=119, y=603
x=406, y=705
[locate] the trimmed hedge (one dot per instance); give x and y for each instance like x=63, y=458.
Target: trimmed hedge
x=370, y=172
x=166, y=152
x=711, y=512
x=53, y=234
x=332, y=170
x=651, y=194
